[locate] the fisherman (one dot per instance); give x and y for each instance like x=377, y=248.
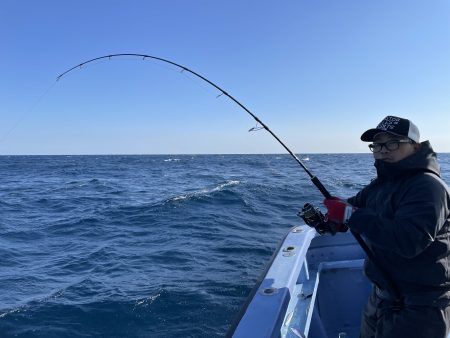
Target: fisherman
x=403, y=215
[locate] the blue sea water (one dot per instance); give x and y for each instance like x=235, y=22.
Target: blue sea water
x=149, y=246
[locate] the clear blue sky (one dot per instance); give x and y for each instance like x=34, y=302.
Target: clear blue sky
x=318, y=72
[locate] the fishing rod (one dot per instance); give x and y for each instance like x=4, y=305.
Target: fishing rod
x=315, y=180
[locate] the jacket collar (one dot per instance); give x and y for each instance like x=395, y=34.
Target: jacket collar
x=424, y=160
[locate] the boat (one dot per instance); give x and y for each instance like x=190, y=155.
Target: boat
x=313, y=287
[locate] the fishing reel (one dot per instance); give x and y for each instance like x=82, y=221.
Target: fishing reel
x=316, y=219
x=311, y=215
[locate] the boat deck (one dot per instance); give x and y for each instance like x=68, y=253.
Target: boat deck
x=333, y=286
x=314, y=287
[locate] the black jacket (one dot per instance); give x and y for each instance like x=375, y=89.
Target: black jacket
x=403, y=215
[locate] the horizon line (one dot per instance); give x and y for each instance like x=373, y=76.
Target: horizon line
x=190, y=154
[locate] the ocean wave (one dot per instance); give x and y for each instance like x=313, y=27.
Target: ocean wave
x=11, y=311
x=30, y=303
x=203, y=192
x=147, y=301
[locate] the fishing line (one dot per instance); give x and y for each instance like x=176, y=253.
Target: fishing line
x=200, y=85
x=27, y=112
x=178, y=72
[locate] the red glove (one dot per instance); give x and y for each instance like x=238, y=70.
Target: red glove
x=339, y=211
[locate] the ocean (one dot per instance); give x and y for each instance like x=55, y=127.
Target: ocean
x=151, y=245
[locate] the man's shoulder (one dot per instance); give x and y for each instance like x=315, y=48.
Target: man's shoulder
x=427, y=181
x=434, y=180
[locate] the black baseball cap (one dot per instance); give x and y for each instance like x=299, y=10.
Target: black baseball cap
x=393, y=125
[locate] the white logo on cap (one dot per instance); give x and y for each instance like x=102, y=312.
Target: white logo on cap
x=389, y=123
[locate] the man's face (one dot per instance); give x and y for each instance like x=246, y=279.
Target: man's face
x=404, y=149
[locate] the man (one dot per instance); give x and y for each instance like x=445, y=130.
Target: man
x=403, y=215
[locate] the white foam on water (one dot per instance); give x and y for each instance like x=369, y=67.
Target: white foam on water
x=205, y=191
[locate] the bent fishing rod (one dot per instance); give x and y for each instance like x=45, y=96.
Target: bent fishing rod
x=315, y=180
